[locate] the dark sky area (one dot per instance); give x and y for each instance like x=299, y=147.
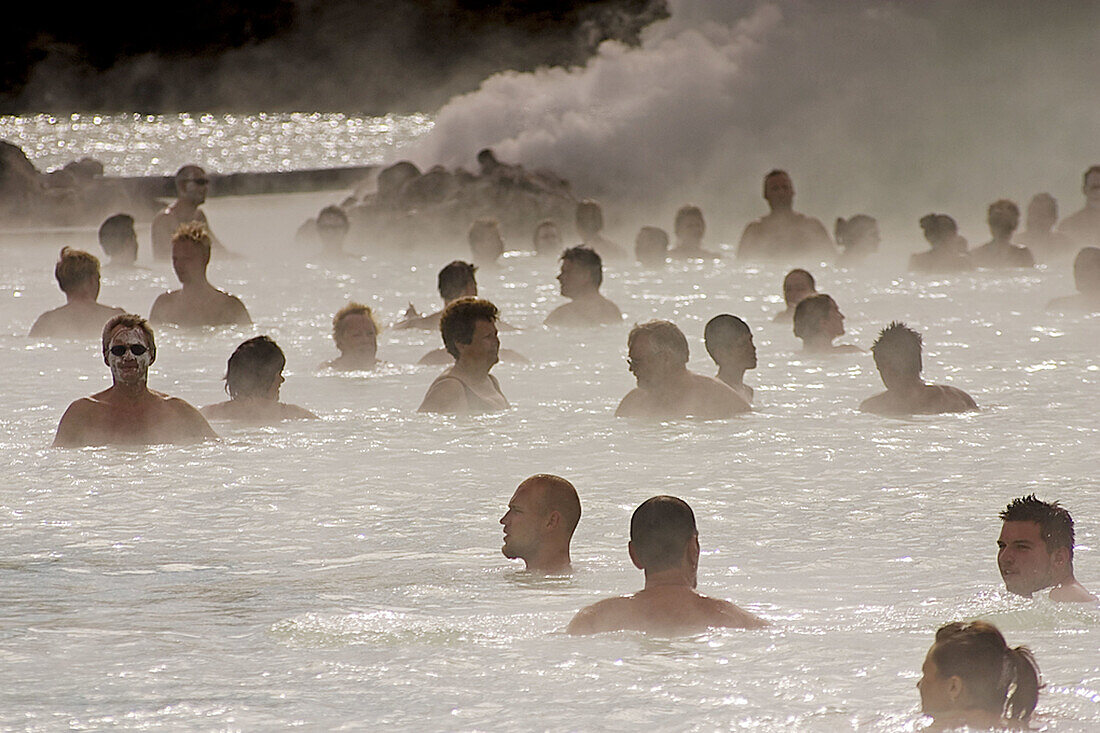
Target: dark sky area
x=290, y=55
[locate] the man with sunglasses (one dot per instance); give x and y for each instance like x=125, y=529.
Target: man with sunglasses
x=129, y=412
x=191, y=187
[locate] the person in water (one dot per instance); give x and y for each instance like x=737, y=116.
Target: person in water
x=949, y=250
x=542, y=515
x=729, y=342
x=1084, y=226
x=797, y=286
x=689, y=228
x=589, y=221
x=858, y=238
x=192, y=185
x=1035, y=551
x=1086, y=276
x=580, y=279
x=546, y=238
x=818, y=322
x=128, y=412
x=486, y=244
x=897, y=353
x=469, y=332
x=1039, y=235
x=651, y=247
x=197, y=303
x=77, y=274
x=664, y=544
x=971, y=679
x=784, y=234
x=253, y=377
x=332, y=231
x=355, y=332
x=119, y=241
x=1003, y=218
x=456, y=280
x=667, y=389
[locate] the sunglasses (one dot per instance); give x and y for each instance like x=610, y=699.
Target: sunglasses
x=135, y=349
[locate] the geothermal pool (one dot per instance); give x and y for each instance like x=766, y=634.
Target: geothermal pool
x=345, y=574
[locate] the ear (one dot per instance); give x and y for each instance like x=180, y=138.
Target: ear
x=1060, y=556
x=633, y=556
x=954, y=688
x=553, y=521
x=691, y=552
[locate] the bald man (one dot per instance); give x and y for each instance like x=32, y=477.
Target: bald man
x=539, y=524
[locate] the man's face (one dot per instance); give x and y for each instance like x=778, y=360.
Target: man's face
x=357, y=334
x=523, y=523
x=487, y=247
x=833, y=324
x=779, y=191
x=745, y=350
x=574, y=279
x=485, y=346
x=189, y=260
x=1092, y=188
x=193, y=185
x=648, y=363
x=1022, y=557
x=796, y=288
x=691, y=228
x=128, y=367
x=1041, y=216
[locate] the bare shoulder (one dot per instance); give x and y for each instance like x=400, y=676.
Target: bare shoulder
x=234, y=309
x=951, y=399
x=188, y=416
x=632, y=404
x=725, y=614
x=294, y=412
x=71, y=429
x=561, y=316
x=878, y=404
x=716, y=398
x=600, y=616
x=609, y=311
x=1072, y=593
x=447, y=395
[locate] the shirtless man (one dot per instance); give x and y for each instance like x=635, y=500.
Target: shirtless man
x=729, y=343
x=1039, y=235
x=191, y=187
x=949, y=250
x=689, y=228
x=589, y=223
x=77, y=275
x=1003, y=218
x=456, y=280
x=1086, y=276
x=667, y=389
x=784, y=233
x=469, y=333
x=119, y=241
x=664, y=544
x=1035, y=551
x=539, y=524
x=1084, y=226
x=253, y=377
x=651, y=247
x=580, y=279
x=129, y=412
x=486, y=244
x=198, y=303
x=797, y=286
x=818, y=322
x=546, y=239
x=356, y=335
x=897, y=352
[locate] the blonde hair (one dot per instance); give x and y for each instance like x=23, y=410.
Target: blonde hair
x=195, y=233
x=354, y=309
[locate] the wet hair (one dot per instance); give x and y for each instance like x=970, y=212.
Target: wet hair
x=665, y=335
x=459, y=320
x=1086, y=269
x=253, y=366
x=129, y=320
x=976, y=652
x=850, y=231
x=115, y=233
x=1055, y=523
x=659, y=530
x=587, y=258
x=722, y=330
x=353, y=309
x=900, y=346
x=1047, y=201
x=333, y=212
x=799, y=272
x=687, y=211
x=558, y=495
x=772, y=174
x=184, y=170
x=938, y=226
x=194, y=233
x=651, y=244
x=454, y=277
x=809, y=314
x=1092, y=169
x=589, y=216
x=75, y=267
x=1003, y=213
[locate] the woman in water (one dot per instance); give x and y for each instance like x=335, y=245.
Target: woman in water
x=253, y=377
x=971, y=679
x=948, y=253
x=858, y=237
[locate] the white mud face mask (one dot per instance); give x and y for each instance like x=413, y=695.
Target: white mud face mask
x=122, y=354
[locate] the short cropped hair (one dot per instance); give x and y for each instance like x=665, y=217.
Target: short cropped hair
x=334, y=212
x=809, y=314
x=75, y=267
x=799, y=272
x=723, y=330
x=558, y=495
x=587, y=258
x=181, y=174
x=129, y=320
x=655, y=235
x=454, y=277
x=460, y=318
x=1003, y=212
x=1055, y=523
x=659, y=530
x=589, y=216
x=849, y=231
x=772, y=174
x=115, y=232
x=196, y=234
x=1048, y=202
x=685, y=212
x=1092, y=169
x=253, y=366
x=938, y=225
x=665, y=335
x=1086, y=269
x=353, y=309
x=900, y=346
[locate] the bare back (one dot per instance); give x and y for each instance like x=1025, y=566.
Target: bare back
x=932, y=399
x=74, y=320
x=662, y=610
x=210, y=307
x=698, y=396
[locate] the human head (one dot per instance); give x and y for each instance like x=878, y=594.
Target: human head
x=690, y=224
x=651, y=246
x=354, y=329
x=487, y=160
x=1091, y=185
x=255, y=369
x=939, y=229
x=657, y=351
x=1035, y=548
x=858, y=232
x=129, y=320
x=581, y=271
x=589, y=219
x=1086, y=270
x=729, y=341
x=77, y=272
x=547, y=237
x=190, y=252
x=778, y=189
x=1042, y=213
x=460, y=319
x=1003, y=217
x=797, y=286
x=897, y=352
x=541, y=518
x=125, y=332
x=456, y=280
x=663, y=536
x=393, y=178
x=486, y=244
x=970, y=667
x=192, y=184
x=816, y=316
x=118, y=239
x=332, y=227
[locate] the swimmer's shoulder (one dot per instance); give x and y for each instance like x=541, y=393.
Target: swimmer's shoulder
x=879, y=404
x=951, y=399
x=447, y=394
x=632, y=405
x=601, y=616
x=847, y=349
x=188, y=417
x=1072, y=593
x=716, y=399
x=725, y=614
x=46, y=324
x=295, y=412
